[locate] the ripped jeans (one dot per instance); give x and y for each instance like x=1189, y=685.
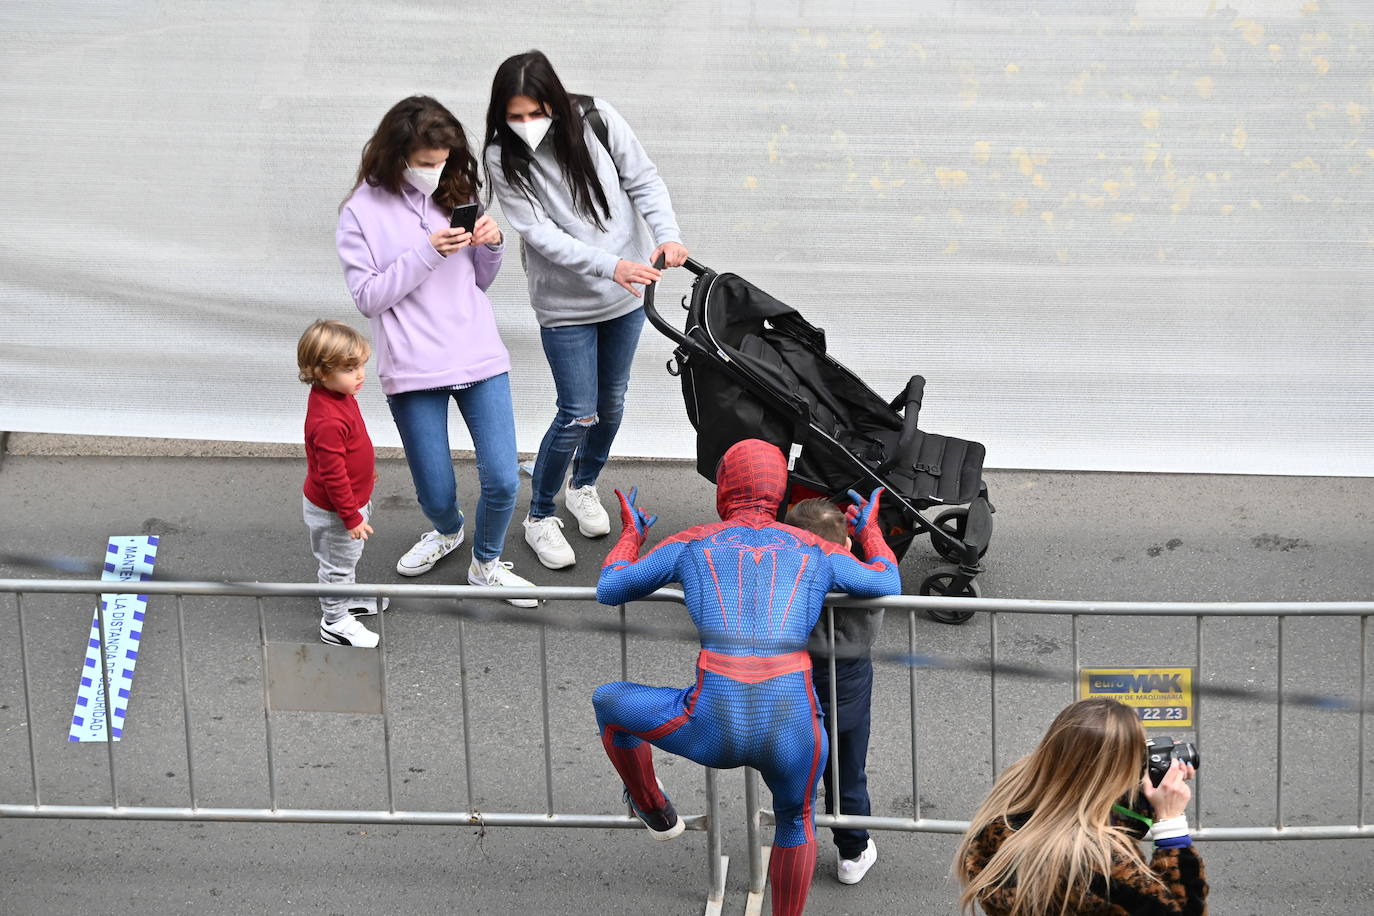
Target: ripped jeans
x=591, y=370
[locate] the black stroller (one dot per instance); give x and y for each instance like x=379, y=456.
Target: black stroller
x=752, y=367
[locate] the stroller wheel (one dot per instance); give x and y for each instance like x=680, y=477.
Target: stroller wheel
x=938, y=583
x=952, y=522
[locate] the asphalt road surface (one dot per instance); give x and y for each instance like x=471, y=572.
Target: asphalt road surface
x=1058, y=536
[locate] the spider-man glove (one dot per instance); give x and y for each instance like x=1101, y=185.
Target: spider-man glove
x=862, y=518
x=634, y=528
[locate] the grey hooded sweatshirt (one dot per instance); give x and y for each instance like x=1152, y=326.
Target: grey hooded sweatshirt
x=570, y=264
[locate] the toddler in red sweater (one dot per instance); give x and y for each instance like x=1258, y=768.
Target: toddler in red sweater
x=340, y=472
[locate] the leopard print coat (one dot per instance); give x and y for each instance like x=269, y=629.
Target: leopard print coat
x=1180, y=891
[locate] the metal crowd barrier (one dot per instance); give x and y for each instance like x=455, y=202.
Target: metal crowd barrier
x=709, y=821
x=760, y=817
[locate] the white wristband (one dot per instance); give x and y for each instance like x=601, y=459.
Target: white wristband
x=1169, y=828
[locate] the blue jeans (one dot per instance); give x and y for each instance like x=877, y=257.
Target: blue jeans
x=422, y=420
x=591, y=370
x=854, y=695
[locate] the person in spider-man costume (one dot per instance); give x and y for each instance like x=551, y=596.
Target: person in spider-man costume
x=754, y=587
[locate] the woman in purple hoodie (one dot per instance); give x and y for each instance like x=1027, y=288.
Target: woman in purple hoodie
x=422, y=287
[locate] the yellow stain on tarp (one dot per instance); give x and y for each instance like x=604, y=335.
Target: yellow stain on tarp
x=1182, y=197
x=1218, y=55
x=878, y=184
x=1113, y=189
x=875, y=40
x=1309, y=8
x=1239, y=136
x=1370, y=152
x=773, y=151
x=1276, y=52
x=1121, y=220
x=951, y=178
x=1063, y=255
x=1047, y=217
x=791, y=86
x=982, y=150
x=1227, y=208
x=954, y=215
x=1150, y=119
x=1301, y=199
x=750, y=183
x=1019, y=206
x=1077, y=86
x=1135, y=22
x=1038, y=180
x=1095, y=203
x=919, y=52
x=1024, y=165
x=1250, y=30
x=1322, y=64
x=841, y=60
x=951, y=248
x=916, y=163
x=1204, y=85
x=1149, y=156
x=1306, y=163
x=1354, y=111
x=1256, y=205
x=969, y=94
x=1012, y=69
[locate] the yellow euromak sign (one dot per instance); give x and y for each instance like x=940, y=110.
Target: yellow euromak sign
x=1160, y=696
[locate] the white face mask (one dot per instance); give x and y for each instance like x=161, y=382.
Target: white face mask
x=532, y=132
x=426, y=181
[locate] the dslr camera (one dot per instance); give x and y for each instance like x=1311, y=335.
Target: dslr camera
x=1136, y=814
x=1161, y=751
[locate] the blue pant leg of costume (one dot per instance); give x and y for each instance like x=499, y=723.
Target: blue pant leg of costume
x=790, y=754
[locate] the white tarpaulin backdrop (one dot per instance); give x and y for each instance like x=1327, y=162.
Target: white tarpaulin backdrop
x=1113, y=234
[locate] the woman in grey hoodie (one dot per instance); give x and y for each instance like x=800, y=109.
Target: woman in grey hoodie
x=574, y=181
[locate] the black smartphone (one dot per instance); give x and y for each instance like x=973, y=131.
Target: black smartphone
x=464, y=217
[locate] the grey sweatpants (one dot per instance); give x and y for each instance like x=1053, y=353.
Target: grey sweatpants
x=338, y=555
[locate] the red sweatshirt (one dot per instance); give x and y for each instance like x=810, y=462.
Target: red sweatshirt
x=339, y=468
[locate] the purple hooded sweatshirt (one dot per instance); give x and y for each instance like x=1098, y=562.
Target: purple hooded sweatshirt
x=431, y=320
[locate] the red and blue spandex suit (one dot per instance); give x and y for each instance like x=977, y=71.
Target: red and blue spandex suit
x=754, y=588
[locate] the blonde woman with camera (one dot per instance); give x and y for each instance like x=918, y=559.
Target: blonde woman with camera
x=1043, y=843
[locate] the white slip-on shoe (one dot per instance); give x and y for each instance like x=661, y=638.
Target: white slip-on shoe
x=852, y=871
x=348, y=632
x=430, y=549
x=545, y=537
x=495, y=572
x=585, y=505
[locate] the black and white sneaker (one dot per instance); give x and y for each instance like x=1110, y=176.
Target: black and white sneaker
x=662, y=823
x=348, y=632
x=370, y=608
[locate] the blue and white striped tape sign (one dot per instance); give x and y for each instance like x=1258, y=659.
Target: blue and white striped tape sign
x=127, y=559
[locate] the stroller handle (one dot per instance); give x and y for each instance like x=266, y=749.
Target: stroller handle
x=657, y=320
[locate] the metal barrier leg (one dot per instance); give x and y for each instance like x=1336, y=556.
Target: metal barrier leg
x=109, y=704
x=28, y=690
x=186, y=702
x=758, y=853
x=386, y=709
x=716, y=863
x=267, y=708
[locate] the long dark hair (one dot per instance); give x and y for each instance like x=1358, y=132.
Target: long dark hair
x=531, y=74
x=416, y=123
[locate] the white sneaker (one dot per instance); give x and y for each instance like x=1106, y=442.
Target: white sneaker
x=495, y=572
x=348, y=632
x=367, y=607
x=585, y=505
x=852, y=871
x=544, y=536
x=430, y=549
